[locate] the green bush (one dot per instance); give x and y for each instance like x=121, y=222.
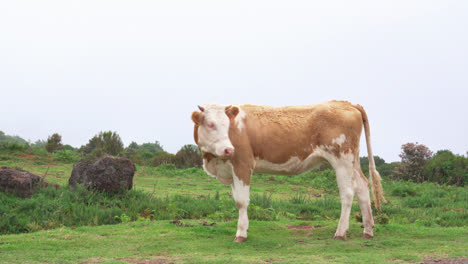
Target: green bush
x=404, y=190
x=13, y=147
x=67, y=156
x=143, y=154
x=39, y=151
x=447, y=168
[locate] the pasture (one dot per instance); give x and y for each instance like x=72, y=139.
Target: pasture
x=184, y=216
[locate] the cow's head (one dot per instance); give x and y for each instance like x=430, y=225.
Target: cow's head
x=212, y=129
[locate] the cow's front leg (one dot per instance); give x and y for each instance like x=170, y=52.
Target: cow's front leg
x=241, y=194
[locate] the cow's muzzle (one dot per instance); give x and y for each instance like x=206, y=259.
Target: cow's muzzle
x=228, y=152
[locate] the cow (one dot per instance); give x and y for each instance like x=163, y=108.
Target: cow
x=238, y=140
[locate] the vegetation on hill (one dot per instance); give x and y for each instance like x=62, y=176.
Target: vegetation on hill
x=293, y=218
x=418, y=164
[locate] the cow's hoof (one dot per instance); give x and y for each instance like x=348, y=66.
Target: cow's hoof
x=240, y=239
x=367, y=236
x=339, y=238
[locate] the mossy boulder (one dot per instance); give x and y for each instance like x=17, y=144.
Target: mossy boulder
x=17, y=181
x=109, y=174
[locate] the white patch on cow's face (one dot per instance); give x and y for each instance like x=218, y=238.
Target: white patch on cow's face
x=213, y=133
x=339, y=140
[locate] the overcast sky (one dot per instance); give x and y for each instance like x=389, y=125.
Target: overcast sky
x=141, y=67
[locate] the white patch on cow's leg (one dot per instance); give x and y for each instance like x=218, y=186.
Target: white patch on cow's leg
x=362, y=194
x=344, y=177
x=241, y=194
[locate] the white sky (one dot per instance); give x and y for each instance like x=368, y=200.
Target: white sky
x=141, y=67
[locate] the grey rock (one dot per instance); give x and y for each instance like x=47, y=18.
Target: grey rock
x=18, y=181
x=110, y=174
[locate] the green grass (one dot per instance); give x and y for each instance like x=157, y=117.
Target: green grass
x=268, y=241
x=79, y=226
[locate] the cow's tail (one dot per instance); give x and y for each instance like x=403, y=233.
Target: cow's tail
x=377, y=191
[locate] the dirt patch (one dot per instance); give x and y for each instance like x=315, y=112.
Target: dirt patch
x=205, y=223
x=92, y=260
x=181, y=224
x=271, y=260
x=27, y=156
x=304, y=227
x=445, y=261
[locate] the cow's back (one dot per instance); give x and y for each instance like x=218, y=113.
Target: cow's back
x=278, y=134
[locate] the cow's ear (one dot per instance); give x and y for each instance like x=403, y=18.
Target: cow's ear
x=197, y=117
x=232, y=111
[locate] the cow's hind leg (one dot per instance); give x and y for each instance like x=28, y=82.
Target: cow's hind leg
x=241, y=193
x=344, y=177
x=362, y=193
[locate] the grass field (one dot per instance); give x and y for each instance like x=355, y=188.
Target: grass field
x=293, y=219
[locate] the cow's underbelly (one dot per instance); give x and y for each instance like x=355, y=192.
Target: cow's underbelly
x=292, y=167
x=221, y=169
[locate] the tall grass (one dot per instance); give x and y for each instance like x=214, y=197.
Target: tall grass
x=425, y=204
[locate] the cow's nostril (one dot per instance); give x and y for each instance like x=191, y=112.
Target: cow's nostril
x=228, y=151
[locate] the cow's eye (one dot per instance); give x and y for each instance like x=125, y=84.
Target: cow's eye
x=211, y=125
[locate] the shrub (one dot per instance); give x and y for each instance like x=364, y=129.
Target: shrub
x=68, y=156
x=40, y=151
x=404, y=189
x=187, y=157
x=143, y=154
x=54, y=143
x=104, y=143
x=447, y=168
x=163, y=158
x=10, y=147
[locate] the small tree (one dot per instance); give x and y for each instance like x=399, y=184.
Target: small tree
x=54, y=143
x=111, y=142
x=188, y=156
x=105, y=142
x=413, y=159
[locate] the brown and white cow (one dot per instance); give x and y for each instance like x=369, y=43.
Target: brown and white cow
x=237, y=140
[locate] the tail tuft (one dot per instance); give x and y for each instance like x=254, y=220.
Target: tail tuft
x=377, y=191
